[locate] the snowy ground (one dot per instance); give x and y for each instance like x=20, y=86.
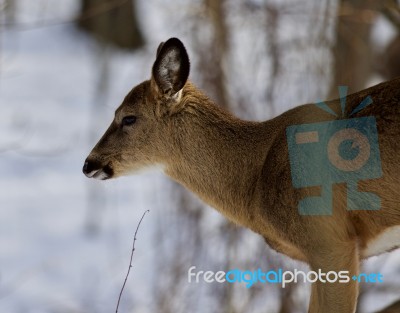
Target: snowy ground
x=48, y=261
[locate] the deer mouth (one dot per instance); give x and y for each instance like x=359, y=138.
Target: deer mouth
x=93, y=170
x=99, y=174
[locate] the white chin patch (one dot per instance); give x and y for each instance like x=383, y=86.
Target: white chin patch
x=98, y=174
x=101, y=176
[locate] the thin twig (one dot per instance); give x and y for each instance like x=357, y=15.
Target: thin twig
x=130, y=262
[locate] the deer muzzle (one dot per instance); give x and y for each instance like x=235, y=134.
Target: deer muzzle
x=95, y=169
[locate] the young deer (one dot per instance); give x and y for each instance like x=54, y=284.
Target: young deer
x=242, y=169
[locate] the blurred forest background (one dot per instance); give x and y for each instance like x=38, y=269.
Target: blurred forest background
x=66, y=65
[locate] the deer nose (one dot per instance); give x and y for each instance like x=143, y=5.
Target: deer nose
x=90, y=167
x=96, y=169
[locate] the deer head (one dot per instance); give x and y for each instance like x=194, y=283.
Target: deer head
x=136, y=137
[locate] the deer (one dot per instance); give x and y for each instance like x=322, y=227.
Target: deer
x=242, y=169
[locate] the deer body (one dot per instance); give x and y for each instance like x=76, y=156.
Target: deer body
x=242, y=169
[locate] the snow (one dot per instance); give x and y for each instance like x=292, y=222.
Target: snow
x=48, y=260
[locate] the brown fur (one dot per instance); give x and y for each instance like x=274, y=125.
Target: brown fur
x=241, y=168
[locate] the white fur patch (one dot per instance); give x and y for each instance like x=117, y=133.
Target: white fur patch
x=178, y=96
x=384, y=242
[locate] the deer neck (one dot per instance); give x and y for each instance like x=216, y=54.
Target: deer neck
x=218, y=157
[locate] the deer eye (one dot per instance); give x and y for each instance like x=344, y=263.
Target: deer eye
x=128, y=120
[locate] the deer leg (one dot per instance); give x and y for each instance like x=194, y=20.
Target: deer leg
x=335, y=297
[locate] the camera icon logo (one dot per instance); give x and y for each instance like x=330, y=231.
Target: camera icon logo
x=338, y=151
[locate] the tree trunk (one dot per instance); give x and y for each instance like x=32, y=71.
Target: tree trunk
x=111, y=21
x=352, y=63
x=388, y=62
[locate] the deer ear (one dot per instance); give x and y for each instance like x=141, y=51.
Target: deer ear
x=171, y=68
x=159, y=48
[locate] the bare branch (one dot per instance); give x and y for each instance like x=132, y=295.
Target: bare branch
x=130, y=262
